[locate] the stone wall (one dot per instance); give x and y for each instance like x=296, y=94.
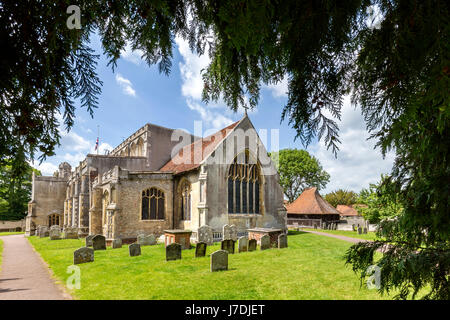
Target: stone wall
x=7, y=225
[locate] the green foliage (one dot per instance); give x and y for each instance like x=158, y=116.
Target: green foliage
x=298, y=170
x=381, y=204
x=341, y=196
x=15, y=189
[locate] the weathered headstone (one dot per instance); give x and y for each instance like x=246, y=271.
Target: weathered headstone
x=99, y=242
x=116, y=243
x=44, y=232
x=144, y=240
x=243, y=244
x=83, y=255
x=359, y=230
x=265, y=242
x=205, y=234
x=252, y=244
x=55, y=233
x=365, y=230
x=219, y=260
x=200, y=249
x=229, y=232
x=134, y=249
x=70, y=233
x=173, y=251
x=88, y=240
x=227, y=245
x=282, y=241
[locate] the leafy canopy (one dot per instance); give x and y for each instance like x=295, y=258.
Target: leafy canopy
x=298, y=170
x=341, y=196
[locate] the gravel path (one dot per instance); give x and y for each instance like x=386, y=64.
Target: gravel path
x=23, y=275
x=349, y=239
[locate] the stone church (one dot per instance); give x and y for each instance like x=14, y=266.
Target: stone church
x=160, y=179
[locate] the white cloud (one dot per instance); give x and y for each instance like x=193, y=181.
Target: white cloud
x=101, y=148
x=46, y=168
x=357, y=163
x=127, y=86
x=214, y=119
x=133, y=56
x=280, y=89
x=72, y=141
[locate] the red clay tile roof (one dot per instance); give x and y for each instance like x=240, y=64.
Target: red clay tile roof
x=348, y=210
x=310, y=202
x=190, y=157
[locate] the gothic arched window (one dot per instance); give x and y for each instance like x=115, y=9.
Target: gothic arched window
x=53, y=219
x=152, y=204
x=186, y=200
x=243, y=185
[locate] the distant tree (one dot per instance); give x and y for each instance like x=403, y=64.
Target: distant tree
x=299, y=170
x=15, y=189
x=341, y=196
x=379, y=203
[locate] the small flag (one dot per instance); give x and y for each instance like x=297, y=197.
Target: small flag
x=96, y=144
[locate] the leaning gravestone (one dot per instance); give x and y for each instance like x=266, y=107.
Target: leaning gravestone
x=88, y=240
x=243, y=244
x=200, y=249
x=99, y=242
x=205, y=234
x=252, y=244
x=134, y=249
x=359, y=230
x=282, y=241
x=265, y=242
x=83, y=255
x=219, y=260
x=116, y=243
x=365, y=230
x=227, y=245
x=229, y=232
x=55, y=233
x=173, y=251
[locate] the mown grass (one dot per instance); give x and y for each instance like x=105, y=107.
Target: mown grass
x=352, y=234
x=10, y=233
x=312, y=267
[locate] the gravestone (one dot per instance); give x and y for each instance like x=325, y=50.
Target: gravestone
x=83, y=255
x=219, y=260
x=116, y=243
x=227, y=245
x=282, y=241
x=134, y=249
x=37, y=231
x=265, y=242
x=44, y=232
x=55, y=233
x=243, y=244
x=252, y=244
x=70, y=233
x=200, y=249
x=88, y=240
x=205, y=234
x=229, y=232
x=99, y=242
x=365, y=230
x=173, y=251
x=353, y=227
x=359, y=230
x=144, y=240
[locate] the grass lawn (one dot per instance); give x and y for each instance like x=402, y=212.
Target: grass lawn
x=311, y=268
x=10, y=233
x=352, y=234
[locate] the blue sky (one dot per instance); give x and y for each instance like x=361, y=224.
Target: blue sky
x=136, y=94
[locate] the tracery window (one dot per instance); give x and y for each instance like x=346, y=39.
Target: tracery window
x=243, y=185
x=186, y=200
x=153, y=204
x=53, y=219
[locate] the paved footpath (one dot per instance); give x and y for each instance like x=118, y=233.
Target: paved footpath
x=349, y=239
x=23, y=275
